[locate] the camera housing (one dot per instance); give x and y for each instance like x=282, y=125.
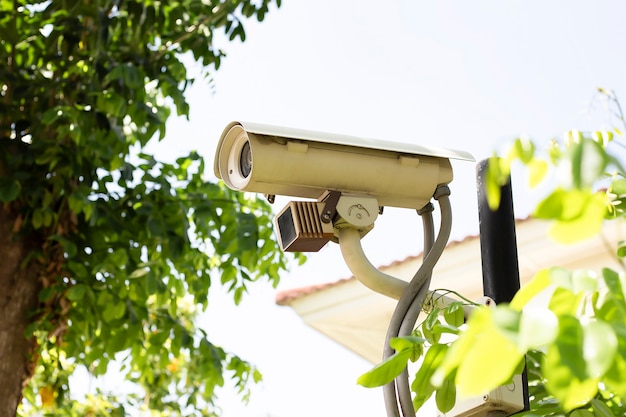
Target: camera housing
x=300, y=163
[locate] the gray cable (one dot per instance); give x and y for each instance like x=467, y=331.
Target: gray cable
x=415, y=293
x=408, y=324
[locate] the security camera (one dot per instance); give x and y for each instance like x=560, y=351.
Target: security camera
x=350, y=178
x=300, y=163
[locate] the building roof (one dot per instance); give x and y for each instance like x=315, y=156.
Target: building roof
x=286, y=297
x=357, y=318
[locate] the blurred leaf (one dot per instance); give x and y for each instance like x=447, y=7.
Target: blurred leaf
x=578, y=214
x=139, y=272
x=615, y=284
x=599, y=347
x=76, y=293
x=618, y=186
x=247, y=235
x=565, y=301
x=529, y=291
x=496, y=175
x=537, y=170
x=565, y=368
x=581, y=413
x=600, y=409
x=576, y=281
x=9, y=190
x=538, y=328
x=484, y=342
x=614, y=378
x=524, y=150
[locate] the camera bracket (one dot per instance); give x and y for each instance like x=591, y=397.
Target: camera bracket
x=330, y=199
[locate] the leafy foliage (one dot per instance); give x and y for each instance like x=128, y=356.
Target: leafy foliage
x=130, y=245
x=575, y=346
x=429, y=345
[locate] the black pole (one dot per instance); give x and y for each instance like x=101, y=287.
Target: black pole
x=498, y=248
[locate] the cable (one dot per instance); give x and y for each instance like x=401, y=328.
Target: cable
x=410, y=303
x=402, y=381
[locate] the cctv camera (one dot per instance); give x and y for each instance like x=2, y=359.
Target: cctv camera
x=299, y=163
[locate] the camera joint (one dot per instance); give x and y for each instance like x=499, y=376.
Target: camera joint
x=330, y=200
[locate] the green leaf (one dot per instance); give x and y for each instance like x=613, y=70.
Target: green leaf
x=422, y=385
x=76, y=293
x=484, y=343
x=114, y=311
x=507, y=321
x=139, y=272
x=46, y=293
x=537, y=170
x=492, y=347
x=600, y=409
x=454, y=315
x=613, y=282
x=577, y=281
x=91, y=84
x=539, y=283
x=405, y=342
x=445, y=396
x=565, y=368
x=152, y=284
x=9, y=190
x=524, y=149
x=564, y=302
x=578, y=214
x=68, y=245
x=75, y=202
x=588, y=162
x=587, y=225
x=247, y=231
x=599, y=347
x=561, y=205
x=581, y=413
x=538, y=328
x=118, y=341
x=386, y=371
x=618, y=187
x=496, y=175
x=412, y=343
x=430, y=327
x=37, y=218
x=614, y=378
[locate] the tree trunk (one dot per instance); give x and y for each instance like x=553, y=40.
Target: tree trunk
x=19, y=288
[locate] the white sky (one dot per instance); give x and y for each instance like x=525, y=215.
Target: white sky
x=454, y=74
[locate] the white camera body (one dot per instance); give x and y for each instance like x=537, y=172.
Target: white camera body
x=300, y=163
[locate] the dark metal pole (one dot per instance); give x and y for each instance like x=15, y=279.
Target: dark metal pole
x=498, y=248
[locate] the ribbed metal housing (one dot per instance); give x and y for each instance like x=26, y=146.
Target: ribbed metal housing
x=300, y=228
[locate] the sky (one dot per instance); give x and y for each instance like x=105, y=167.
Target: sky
x=454, y=74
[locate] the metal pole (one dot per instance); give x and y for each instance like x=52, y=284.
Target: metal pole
x=498, y=248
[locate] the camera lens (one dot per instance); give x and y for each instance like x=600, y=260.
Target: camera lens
x=245, y=160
